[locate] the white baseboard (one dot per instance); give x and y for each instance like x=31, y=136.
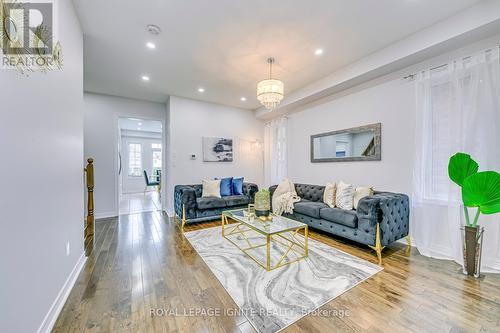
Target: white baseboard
x=51, y=317
x=105, y=215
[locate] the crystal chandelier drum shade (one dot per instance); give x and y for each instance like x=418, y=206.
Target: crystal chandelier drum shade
x=270, y=92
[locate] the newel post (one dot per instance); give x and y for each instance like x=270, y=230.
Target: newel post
x=89, y=226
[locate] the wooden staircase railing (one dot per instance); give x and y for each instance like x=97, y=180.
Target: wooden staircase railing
x=89, y=223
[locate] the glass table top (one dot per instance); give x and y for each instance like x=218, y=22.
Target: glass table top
x=278, y=224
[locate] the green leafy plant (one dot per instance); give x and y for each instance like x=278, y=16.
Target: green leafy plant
x=479, y=189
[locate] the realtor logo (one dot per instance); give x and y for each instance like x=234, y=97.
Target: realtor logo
x=27, y=28
x=27, y=36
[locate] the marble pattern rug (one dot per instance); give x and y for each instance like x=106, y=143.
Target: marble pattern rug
x=274, y=300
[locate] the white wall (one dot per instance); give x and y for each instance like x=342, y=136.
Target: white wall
x=191, y=120
x=131, y=184
x=41, y=130
x=390, y=103
x=101, y=136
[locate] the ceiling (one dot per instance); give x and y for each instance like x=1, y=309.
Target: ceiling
x=223, y=45
x=136, y=124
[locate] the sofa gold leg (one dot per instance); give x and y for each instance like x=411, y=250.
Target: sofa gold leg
x=379, y=256
x=183, y=222
x=378, y=245
x=408, y=246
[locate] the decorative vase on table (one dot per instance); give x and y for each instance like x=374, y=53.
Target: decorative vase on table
x=481, y=190
x=262, y=203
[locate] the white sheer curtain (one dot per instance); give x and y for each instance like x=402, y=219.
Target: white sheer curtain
x=458, y=109
x=275, y=150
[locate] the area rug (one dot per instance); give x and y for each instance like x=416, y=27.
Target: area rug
x=276, y=299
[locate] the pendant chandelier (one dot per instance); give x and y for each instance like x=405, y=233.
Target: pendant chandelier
x=270, y=92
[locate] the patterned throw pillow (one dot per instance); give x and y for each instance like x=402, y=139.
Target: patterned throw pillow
x=360, y=193
x=329, y=194
x=345, y=196
x=211, y=188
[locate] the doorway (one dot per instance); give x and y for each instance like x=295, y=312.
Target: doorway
x=140, y=165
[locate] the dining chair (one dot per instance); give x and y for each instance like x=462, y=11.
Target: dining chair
x=149, y=182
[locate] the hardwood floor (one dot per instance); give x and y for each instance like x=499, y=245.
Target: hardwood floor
x=141, y=262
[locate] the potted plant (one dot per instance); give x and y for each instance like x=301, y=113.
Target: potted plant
x=480, y=190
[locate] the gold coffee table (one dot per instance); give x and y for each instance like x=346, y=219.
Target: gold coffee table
x=272, y=243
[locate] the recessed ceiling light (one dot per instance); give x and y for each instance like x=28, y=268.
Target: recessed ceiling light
x=145, y=78
x=243, y=99
x=151, y=45
x=140, y=124
x=318, y=52
x=201, y=90
x=138, y=128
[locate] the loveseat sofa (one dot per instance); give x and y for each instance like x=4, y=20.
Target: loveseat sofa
x=191, y=207
x=379, y=220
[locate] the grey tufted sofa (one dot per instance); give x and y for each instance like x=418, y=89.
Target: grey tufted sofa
x=379, y=220
x=190, y=206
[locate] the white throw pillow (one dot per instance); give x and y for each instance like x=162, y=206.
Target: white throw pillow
x=345, y=195
x=329, y=194
x=211, y=188
x=360, y=193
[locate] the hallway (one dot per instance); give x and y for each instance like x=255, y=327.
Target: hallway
x=132, y=203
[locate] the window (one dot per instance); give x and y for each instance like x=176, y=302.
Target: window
x=445, y=98
x=441, y=113
x=156, y=159
x=134, y=159
x=156, y=148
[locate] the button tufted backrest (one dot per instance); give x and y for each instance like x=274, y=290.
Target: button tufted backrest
x=395, y=212
x=310, y=192
x=199, y=190
x=248, y=189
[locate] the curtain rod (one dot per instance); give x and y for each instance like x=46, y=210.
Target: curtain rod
x=411, y=76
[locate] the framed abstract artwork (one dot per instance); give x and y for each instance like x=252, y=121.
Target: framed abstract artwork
x=217, y=149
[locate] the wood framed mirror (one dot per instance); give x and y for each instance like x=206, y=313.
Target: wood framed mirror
x=353, y=144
